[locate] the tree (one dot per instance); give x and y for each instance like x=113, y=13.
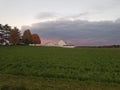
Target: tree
x=36, y=39
x=14, y=36
x=27, y=37
x=7, y=30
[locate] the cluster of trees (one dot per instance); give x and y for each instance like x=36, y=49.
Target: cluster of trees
x=14, y=36
x=29, y=38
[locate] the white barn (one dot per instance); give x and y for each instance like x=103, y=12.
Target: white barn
x=50, y=44
x=62, y=43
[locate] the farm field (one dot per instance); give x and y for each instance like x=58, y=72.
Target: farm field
x=50, y=68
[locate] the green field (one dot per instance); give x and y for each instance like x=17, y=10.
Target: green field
x=50, y=68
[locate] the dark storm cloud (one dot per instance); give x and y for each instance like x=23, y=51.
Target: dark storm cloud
x=79, y=32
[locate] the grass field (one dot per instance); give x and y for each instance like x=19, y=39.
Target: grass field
x=50, y=68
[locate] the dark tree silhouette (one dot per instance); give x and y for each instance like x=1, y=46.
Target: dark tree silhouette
x=27, y=37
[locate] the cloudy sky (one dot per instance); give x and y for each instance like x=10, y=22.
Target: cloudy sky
x=80, y=22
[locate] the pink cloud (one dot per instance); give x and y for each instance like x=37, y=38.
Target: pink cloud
x=45, y=41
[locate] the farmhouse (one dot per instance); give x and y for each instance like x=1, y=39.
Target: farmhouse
x=50, y=44
x=63, y=44
x=34, y=44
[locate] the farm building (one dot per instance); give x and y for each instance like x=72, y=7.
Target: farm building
x=62, y=43
x=50, y=44
x=34, y=44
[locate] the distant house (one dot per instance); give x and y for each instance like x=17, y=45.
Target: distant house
x=34, y=44
x=69, y=46
x=50, y=44
x=62, y=43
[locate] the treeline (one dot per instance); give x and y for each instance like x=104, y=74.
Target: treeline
x=107, y=46
x=13, y=36
x=29, y=38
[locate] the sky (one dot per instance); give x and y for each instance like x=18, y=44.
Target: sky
x=82, y=22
